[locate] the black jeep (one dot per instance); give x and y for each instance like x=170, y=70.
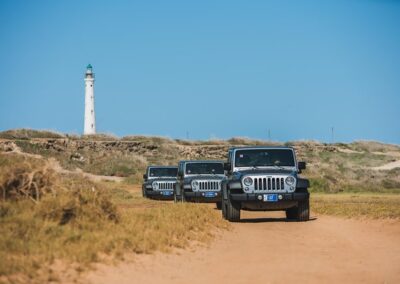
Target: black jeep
x=264, y=179
x=159, y=182
x=199, y=181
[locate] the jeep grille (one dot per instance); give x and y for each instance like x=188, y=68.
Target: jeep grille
x=166, y=185
x=265, y=184
x=269, y=183
x=206, y=185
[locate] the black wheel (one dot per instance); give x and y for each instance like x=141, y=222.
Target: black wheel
x=291, y=213
x=219, y=205
x=223, y=204
x=303, y=210
x=144, y=194
x=232, y=211
x=178, y=197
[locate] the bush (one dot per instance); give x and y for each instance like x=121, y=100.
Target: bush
x=319, y=185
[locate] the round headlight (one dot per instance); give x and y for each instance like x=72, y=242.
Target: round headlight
x=195, y=183
x=155, y=185
x=248, y=181
x=290, y=180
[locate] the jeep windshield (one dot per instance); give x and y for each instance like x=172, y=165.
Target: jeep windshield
x=264, y=158
x=204, y=168
x=163, y=172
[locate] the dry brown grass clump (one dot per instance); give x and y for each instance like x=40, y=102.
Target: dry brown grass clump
x=376, y=206
x=20, y=178
x=247, y=141
x=148, y=139
x=29, y=134
x=373, y=146
x=99, y=137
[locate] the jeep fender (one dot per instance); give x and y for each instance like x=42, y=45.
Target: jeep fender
x=235, y=185
x=177, y=188
x=302, y=183
x=224, y=191
x=229, y=185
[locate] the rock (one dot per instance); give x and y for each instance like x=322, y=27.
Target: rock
x=77, y=157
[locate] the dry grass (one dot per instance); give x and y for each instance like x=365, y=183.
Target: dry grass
x=29, y=134
x=99, y=137
x=20, y=178
x=84, y=222
x=362, y=205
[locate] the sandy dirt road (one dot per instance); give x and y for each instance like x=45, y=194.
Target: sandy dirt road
x=271, y=250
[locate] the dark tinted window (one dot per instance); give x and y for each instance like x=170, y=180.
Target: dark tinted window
x=163, y=172
x=204, y=168
x=264, y=157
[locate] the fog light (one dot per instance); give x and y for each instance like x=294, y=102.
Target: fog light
x=280, y=196
x=259, y=197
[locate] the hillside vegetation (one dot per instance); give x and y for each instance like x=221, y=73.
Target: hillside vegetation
x=331, y=167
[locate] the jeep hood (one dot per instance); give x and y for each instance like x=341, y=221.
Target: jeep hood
x=240, y=174
x=203, y=177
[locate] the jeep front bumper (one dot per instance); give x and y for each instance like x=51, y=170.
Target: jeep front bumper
x=202, y=197
x=244, y=197
x=160, y=194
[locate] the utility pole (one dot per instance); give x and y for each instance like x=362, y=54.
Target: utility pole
x=269, y=134
x=187, y=135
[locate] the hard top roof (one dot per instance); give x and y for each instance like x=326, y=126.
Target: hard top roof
x=201, y=161
x=260, y=147
x=175, y=167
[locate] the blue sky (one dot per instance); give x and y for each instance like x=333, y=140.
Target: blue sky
x=215, y=69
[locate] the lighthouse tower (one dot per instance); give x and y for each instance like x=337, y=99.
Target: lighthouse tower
x=90, y=121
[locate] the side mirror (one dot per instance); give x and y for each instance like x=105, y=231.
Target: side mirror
x=180, y=174
x=227, y=167
x=301, y=165
x=144, y=176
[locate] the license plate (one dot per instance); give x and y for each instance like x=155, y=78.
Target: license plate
x=167, y=193
x=270, y=197
x=210, y=194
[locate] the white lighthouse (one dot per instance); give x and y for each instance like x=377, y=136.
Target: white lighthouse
x=90, y=119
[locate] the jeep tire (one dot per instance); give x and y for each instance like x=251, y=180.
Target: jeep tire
x=231, y=210
x=219, y=205
x=301, y=212
x=291, y=213
x=178, y=198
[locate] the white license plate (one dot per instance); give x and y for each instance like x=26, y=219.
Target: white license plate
x=270, y=197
